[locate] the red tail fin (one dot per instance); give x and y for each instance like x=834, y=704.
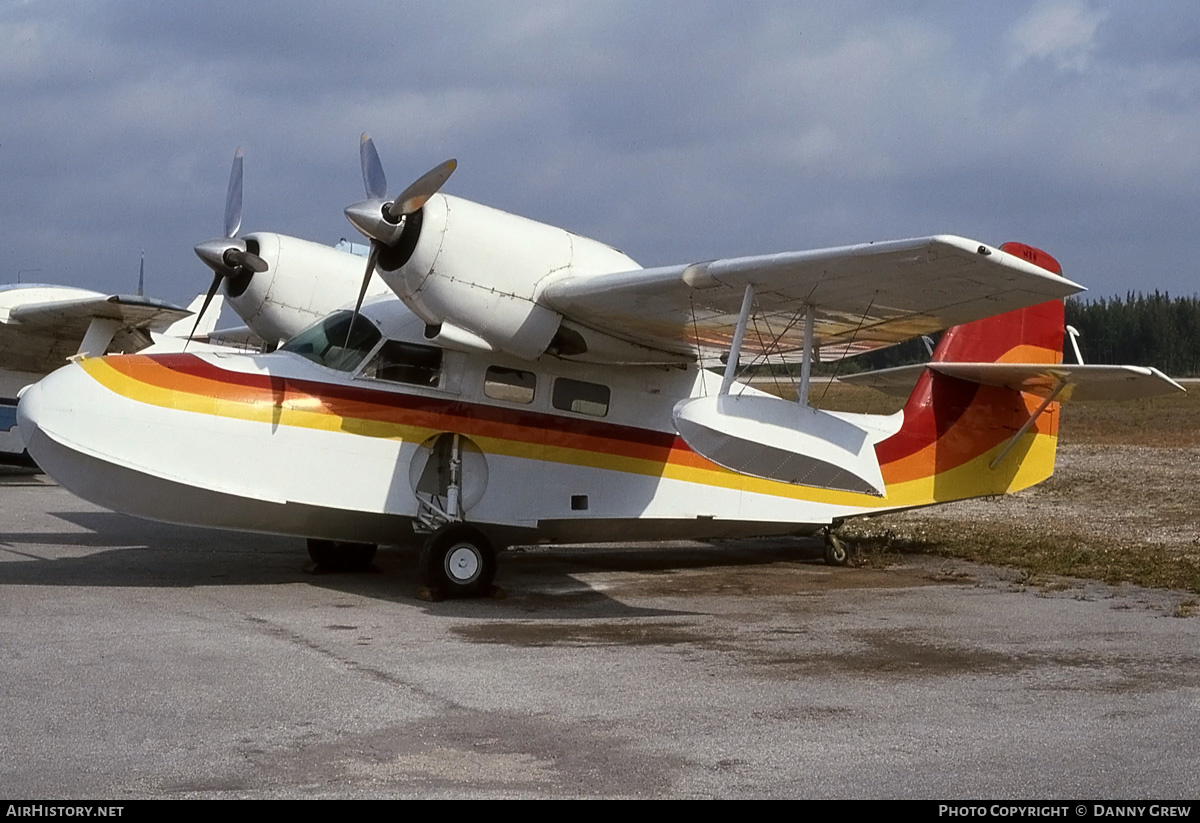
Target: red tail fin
x=1030, y=335
x=953, y=427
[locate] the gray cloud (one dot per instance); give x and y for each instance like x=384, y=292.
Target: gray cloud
x=674, y=131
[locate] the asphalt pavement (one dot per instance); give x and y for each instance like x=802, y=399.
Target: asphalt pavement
x=141, y=660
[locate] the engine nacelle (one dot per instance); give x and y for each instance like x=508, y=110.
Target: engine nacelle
x=304, y=282
x=482, y=269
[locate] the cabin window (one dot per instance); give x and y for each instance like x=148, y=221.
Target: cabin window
x=513, y=385
x=327, y=343
x=580, y=397
x=399, y=362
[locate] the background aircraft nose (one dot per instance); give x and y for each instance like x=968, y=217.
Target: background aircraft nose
x=59, y=407
x=29, y=406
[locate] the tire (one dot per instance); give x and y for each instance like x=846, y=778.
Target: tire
x=835, y=551
x=341, y=556
x=459, y=561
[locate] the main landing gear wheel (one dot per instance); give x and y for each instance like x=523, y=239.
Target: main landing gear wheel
x=340, y=556
x=458, y=561
x=835, y=550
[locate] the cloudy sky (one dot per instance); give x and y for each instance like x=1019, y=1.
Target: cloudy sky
x=674, y=131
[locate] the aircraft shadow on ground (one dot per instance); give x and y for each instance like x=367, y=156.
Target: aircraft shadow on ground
x=542, y=581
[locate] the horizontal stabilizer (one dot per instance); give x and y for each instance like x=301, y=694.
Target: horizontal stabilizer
x=1082, y=382
x=897, y=381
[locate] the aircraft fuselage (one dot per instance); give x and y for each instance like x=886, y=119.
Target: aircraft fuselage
x=548, y=450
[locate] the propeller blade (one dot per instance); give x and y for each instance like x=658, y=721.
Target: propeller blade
x=212, y=290
x=372, y=169
x=233, y=197
x=372, y=256
x=418, y=194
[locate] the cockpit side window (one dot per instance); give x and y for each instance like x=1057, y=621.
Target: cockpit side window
x=325, y=342
x=400, y=362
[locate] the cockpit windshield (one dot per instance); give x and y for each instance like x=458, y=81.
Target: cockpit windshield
x=325, y=341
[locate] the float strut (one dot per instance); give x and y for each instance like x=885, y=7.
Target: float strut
x=735, y=350
x=806, y=363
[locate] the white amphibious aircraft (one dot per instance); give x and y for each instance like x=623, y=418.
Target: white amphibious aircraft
x=534, y=385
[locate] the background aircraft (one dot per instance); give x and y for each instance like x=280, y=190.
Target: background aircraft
x=41, y=326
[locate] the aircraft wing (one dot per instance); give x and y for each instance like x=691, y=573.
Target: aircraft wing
x=866, y=297
x=897, y=381
x=1083, y=382
x=40, y=334
x=76, y=314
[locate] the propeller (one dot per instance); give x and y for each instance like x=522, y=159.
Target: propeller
x=383, y=221
x=228, y=256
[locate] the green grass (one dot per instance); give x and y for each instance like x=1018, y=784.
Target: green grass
x=1040, y=556
x=1119, y=523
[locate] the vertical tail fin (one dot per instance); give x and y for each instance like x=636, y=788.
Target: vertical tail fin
x=183, y=328
x=953, y=428
x=1030, y=335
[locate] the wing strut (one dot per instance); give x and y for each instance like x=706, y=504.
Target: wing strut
x=735, y=350
x=1012, y=441
x=739, y=334
x=99, y=335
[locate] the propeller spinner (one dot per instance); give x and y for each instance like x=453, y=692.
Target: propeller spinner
x=381, y=220
x=228, y=256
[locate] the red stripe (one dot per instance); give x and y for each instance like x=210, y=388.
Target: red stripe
x=374, y=404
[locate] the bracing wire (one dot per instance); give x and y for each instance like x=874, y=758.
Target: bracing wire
x=854, y=336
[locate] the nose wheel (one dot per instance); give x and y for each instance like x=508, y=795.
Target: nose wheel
x=458, y=560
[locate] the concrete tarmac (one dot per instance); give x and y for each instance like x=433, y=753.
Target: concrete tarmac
x=140, y=660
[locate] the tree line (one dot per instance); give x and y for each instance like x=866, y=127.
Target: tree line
x=1137, y=329
x=1140, y=330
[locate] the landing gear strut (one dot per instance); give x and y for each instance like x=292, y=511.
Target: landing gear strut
x=458, y=560
x=340, y=556
x=835, y=549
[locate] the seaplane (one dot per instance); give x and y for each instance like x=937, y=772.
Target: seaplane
x=518, y=383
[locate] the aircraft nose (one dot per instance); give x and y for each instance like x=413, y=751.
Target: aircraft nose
x=61, y=420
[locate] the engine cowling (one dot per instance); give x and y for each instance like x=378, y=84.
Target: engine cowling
x=304, y=282
x=482, y=270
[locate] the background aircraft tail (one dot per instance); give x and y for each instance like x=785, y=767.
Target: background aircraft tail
x=961, y=438
x=183, y=328
x=175, y=338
